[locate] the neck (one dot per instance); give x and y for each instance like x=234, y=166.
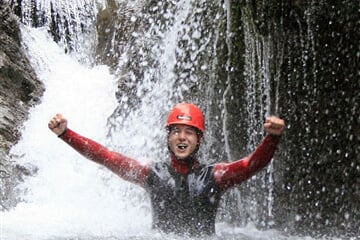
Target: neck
x=183, y=166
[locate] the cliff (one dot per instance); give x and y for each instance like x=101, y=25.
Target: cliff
x=19, y=91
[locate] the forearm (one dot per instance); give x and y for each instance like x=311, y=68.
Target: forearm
x=229, y=174
x=262, y=154
x=127, y=168
x=85, y=146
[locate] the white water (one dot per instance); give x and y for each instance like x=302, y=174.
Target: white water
x=68, y=195
x=69, y=15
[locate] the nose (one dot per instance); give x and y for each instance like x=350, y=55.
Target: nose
x=182, y=135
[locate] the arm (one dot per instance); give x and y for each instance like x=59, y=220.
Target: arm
x=229, y=174
x=125, y=167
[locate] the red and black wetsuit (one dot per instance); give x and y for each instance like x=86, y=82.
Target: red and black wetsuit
x=184, y=198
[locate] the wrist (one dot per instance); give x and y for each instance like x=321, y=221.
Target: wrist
x=62, y=133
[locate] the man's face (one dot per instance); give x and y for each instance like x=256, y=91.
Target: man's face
x=183, y=140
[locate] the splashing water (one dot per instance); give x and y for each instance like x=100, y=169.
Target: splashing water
x=72, y=198
x=69, y=21
x=67, y=195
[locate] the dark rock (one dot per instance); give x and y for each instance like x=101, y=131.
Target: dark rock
x=19, y=91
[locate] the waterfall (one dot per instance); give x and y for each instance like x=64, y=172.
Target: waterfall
x=156, y=92
x=258, y=56
x=68, y=195
x=69, y=22
x=158, y=53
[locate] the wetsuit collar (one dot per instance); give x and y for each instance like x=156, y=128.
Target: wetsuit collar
x=183, y=166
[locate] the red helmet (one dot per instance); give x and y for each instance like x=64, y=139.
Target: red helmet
x=188, y=114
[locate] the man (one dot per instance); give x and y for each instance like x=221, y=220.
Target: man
x=184, y=194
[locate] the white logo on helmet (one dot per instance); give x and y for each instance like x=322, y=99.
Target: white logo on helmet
x=182, y=117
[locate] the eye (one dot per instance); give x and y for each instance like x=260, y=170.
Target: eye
x=174, y=131
x=190, y=131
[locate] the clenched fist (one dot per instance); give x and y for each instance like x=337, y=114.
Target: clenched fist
x=58, y=124
x=274, y=125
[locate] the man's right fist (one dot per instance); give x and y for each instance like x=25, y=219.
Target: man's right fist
x=58, y=124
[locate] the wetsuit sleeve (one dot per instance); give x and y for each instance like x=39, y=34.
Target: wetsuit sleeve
x=229, y=174
x=127, y=168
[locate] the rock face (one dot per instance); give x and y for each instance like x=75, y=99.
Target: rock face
x=19, y=90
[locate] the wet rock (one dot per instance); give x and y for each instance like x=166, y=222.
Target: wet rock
x=19, y=91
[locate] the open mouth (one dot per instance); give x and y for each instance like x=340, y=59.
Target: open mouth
x=182, y=146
